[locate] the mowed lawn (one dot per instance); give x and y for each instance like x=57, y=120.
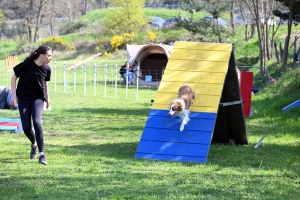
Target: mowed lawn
x=90, y=142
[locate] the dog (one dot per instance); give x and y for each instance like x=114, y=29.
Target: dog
x=181, y=105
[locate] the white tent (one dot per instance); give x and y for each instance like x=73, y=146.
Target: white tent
x=150, y=61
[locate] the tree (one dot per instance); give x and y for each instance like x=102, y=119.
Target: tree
x=41, y=12
x=206, y=29
x=126, y=17
x=261, y=12
x=82, y=6
x=292, y=15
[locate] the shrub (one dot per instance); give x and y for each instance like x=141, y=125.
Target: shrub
x=116, y=42
x=57, y=43
x=119, y=41
x=102, y=44
x=152, y=36
x=106, y=54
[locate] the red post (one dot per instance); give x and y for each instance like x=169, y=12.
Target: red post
x=246, y=91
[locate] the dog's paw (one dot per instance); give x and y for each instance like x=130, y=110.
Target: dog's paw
x=181, y=127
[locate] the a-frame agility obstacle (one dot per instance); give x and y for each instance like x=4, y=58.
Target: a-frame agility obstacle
x=216, y=115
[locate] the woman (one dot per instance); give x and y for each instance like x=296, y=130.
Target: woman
x=127, y=72
x=30, y=95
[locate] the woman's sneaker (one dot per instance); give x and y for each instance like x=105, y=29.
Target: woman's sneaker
x=33, y=152
x=42, y=159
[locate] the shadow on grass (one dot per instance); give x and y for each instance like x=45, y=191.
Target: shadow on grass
x=108, y=112
x=264, y=157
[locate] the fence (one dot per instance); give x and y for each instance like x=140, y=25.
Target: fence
x=105, y=80
x=89, y=79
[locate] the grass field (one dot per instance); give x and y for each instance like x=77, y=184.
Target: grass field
x=90, y=142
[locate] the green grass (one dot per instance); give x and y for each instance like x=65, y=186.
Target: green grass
x=90, y=142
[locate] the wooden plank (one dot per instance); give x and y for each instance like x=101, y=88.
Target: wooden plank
x=197, y=65
x=169, y=135
x=200, y=101
x=171, y=157
x=195, y=77
x=209, y=109
x=195, y=115
x=200, y=89
x=203, y=45
x=167, y=122
x=199, y=54
x=170, y=148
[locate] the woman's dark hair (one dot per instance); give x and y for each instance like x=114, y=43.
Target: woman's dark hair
x=128, y=62
x=36, y=53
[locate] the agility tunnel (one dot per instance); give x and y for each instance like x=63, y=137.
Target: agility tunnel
x=216, y=115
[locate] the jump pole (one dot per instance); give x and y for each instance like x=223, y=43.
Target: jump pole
x=95, y=79
x=65, y=83
x=105, y=77
x=75, y=79
x=116, y=80
x=292, y=105
x=55, y=75
x=84, y=61
x=84, y=77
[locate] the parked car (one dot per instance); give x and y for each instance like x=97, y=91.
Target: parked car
x=247, y=18
x=170, y=22
x=221, y=22
x=156, y=22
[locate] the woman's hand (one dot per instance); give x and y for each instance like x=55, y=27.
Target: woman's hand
x=14, y=102
x=47, y=103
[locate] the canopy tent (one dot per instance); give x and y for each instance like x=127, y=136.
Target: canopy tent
x=150, y=61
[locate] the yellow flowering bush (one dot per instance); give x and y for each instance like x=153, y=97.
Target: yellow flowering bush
x=152, y=36
x=57, y=43
x=118, y=41
x=106, y=54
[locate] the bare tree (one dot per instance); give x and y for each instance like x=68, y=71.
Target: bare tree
x=231, y=16
x=52, y=17
x=82, y=6
x=71, y=9
x=261, y=12
x=25, y=9
x=41, y=12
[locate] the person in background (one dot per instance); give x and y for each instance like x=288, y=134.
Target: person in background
x=127, y=71
x=30, y=94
